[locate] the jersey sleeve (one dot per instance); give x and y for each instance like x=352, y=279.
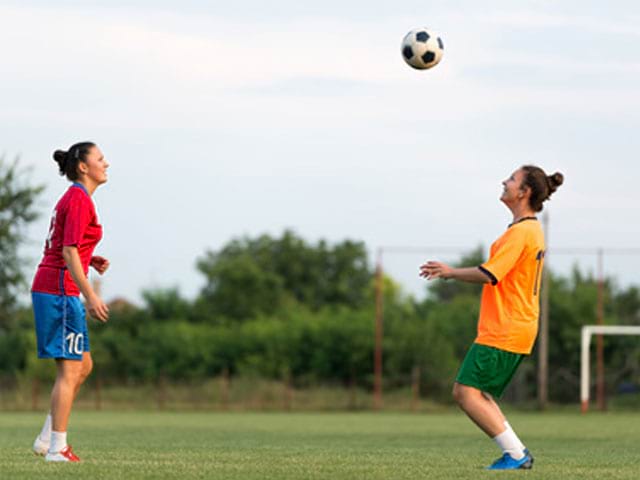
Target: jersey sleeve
x=506, y=256
x=76, y=220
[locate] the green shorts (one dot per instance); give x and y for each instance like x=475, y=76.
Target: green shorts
x=488, y=369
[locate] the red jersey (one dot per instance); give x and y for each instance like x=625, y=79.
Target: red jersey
x=74, y=222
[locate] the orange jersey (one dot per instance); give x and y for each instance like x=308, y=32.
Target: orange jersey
x=510, y=303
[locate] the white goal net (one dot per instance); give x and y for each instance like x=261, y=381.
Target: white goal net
x=585, y=361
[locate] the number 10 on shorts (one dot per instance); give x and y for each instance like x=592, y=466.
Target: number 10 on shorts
x=75, y=341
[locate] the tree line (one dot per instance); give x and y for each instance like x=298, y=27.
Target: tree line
x=279, y=307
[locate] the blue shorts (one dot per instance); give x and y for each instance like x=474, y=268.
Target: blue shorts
x=61, y=326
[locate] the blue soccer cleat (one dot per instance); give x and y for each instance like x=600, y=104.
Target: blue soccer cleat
x=506, y=462
x=528, y=454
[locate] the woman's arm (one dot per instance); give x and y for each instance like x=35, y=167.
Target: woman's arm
x=97, y=308
x=431, y=270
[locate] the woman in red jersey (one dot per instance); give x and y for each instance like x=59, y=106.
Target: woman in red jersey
x=509, y=308
x=60, y=317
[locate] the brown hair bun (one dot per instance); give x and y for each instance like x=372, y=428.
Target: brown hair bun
x=555, y=181
x=60, y=157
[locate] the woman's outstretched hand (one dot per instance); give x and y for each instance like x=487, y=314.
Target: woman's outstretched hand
x=432, y=270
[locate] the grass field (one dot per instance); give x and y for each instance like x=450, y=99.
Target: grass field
x=333, y=446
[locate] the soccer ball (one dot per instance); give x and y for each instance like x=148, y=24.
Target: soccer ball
x=422, y=48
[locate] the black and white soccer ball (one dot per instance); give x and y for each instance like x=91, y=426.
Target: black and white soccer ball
x=422, y=48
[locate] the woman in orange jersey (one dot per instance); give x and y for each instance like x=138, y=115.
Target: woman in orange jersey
x=509, y=308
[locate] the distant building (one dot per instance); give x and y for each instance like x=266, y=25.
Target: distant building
x=120, y=305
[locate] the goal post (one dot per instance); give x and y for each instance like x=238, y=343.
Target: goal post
x=585, y=366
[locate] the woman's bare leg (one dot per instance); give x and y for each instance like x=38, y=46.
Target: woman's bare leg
x=482, y=410
x=71, y=374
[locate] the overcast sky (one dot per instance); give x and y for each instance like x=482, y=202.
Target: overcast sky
x=223, y=119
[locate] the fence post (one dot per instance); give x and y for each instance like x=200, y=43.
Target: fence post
x=224, y=388
x=35, y=393
x=415, y=388
x=543, y=340
x=162, y=392
x=98, y=393
x=600, y=385
x=352, y=391
x=377, y=362
x=288, y=391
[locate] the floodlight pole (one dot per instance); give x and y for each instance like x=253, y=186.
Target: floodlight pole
x=600, y=386
x=379, y=299
x=543, y=337
x=377, y=362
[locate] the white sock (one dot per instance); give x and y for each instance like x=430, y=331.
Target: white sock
x=506, y=424
x=45, y=433
x=58, y=441
x=509, y=443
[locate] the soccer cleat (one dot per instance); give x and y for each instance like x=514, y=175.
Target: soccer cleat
x=39, y=447
x=528, y=453
x=64, y=455
x=507, y=462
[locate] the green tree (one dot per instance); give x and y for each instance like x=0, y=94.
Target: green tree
x=166, y=304
x=248, y=277
x=17, y=210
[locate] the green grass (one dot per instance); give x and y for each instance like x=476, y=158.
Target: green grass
x=134, y=445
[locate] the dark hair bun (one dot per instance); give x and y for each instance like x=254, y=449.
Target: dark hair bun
x=555, y=181
x=60, y=157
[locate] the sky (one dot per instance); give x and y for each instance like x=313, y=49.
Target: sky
x=225, y=119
